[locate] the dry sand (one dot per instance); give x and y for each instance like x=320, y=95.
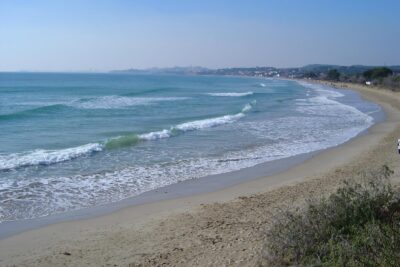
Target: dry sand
x=222, y=228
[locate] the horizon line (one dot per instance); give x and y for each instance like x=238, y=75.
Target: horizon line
x=187, y=67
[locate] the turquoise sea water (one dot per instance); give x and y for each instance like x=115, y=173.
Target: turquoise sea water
x=69, y=141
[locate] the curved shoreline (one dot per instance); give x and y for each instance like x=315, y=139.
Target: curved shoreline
x=185, y=188
x=140, y=217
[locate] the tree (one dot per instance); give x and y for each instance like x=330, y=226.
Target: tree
x=333, y=75
x=377, y=73
x=310, y=75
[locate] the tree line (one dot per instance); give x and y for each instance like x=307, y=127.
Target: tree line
x=379, y=76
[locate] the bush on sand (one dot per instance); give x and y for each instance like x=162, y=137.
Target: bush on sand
x=358, y=225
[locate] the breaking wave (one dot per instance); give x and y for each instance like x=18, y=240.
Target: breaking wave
x=231, y=94
x=105, y=102
x=128, y=140
x=47, y=157
x=115, y=102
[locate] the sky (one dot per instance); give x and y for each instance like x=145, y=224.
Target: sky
x=107, y=35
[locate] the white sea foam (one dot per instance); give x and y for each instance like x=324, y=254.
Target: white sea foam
x=263, y=85
x=155, y=135
x=311, y=128
x=46, y=157
x=190, y=126
x=325, y=104
x=248, y=107
x=115, y=102
x=293, y=135
x=321, y=89
x=197, y=125
x=231, y=94
x=208, y=123
x=330, y=108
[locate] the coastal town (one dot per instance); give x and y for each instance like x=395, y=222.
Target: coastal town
x=387, y=76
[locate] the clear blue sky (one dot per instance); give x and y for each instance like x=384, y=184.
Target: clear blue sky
x=116, y=34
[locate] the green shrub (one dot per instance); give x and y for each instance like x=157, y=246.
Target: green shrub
x=333, y=75
x=358, y=225
x=377, y=73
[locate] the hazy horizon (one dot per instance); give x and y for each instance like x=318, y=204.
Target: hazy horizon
x=99, y=36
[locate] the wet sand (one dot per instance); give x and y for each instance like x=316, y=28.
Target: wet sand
x=223, y=227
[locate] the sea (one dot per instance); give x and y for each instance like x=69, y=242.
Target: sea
x=70, y=141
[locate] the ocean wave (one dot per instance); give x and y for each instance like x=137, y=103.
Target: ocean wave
x=156, y=135
x=331, y=108
x=31, y=112
x=46, y=157
x=115, y=102
x=208, y=123
x=128, y=140
x=321, y=89
x=150, y=91
x=262, y=84
x=105, y=102
x=229, y=94
x=325, y=102
x=49, y=195
x=122, y=141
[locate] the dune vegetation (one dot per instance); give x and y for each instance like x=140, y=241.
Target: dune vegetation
x=358, y=225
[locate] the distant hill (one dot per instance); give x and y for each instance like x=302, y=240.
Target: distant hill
x=172, y=70
x=265, y=71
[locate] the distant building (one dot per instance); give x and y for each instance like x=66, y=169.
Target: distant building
x=368, y=83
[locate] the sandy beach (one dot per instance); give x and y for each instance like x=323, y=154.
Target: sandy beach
x=221, y=228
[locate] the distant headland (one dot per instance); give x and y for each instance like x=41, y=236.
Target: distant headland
x=384, y=76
